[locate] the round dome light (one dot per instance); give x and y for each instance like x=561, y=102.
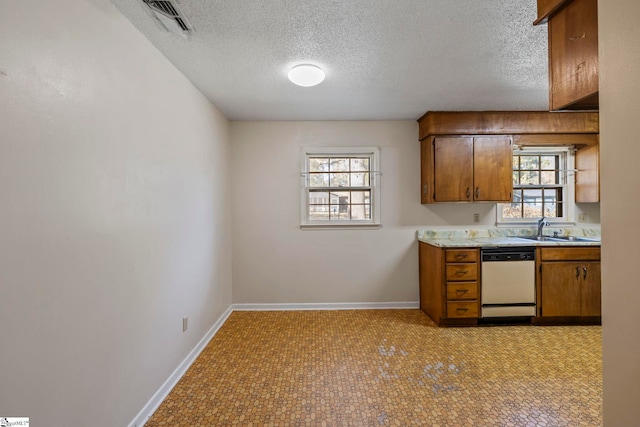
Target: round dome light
x=306, y=75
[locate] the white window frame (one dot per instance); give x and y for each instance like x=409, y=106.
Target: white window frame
x=374, y=164
x=569, y=202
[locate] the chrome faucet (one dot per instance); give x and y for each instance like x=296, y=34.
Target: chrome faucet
x=541, y=223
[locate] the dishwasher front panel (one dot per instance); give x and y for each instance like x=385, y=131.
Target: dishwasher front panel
x=508, y=282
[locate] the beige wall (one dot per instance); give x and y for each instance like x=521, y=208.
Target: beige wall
x=114, y=218
x=274, y=261
x=619, y=34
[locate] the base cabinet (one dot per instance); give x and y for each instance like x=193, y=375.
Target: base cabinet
x=449, y=284
x=569, y=283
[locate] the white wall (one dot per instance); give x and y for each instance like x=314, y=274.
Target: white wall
x=620, y=150
x=114, y=214
x=274, y=261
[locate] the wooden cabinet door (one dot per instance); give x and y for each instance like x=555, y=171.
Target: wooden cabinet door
x=492, y=169
x=453, y=169
x=573, y=55
x=588, y=175
x=591, y=299
x=561, y=291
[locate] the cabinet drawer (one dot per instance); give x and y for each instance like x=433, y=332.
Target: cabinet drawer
x=460, y=272
x=591, y=253
x=462, y=255
x=462, y=290
x=459, y=309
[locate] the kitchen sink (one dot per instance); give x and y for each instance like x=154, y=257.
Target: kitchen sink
x=558, y=239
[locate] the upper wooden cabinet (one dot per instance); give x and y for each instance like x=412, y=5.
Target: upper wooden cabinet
x=467, y=156
x=573, y=52
x=471, y=168
x=588, y=174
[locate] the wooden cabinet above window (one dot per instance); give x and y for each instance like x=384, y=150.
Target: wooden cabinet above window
x=467, y=156
x=470, y=168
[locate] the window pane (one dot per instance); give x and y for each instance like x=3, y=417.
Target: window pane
x=341, y=198
x=319, y=212
x=318, y=197
x=359, y=179
x=319, y=180
x=550, y=196
x=339, y=212
x=516, y=176
x=360, y=165
x=548, y=178
x=339, y=165
x=318, y=164
x=360, y=212
x=339, y=180
x=550, y=210
x=530, y=178
x=360, y=197
x=548, y=162
x=513, y=209
x=552, y=202
x=516, y=163
x=529, y=162
x=532, y=203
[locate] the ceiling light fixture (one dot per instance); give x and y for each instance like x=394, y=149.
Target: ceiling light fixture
x=306, y=75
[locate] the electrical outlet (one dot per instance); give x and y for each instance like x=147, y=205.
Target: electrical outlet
x=185, y=323
x=582, y=217
x=476, y=218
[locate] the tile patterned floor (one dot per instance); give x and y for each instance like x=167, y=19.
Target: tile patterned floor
x=387, y=368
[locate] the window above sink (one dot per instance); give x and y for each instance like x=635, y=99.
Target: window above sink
x=542, y=186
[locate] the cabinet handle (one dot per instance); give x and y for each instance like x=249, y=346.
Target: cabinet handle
x=581, y=36
x=577, y=272
x=425, y=189
x=462, y=310
x=477, y=192
x=461, y=272
x=584, y=269
x=462, y=291
x=461, y=256
x=468, y=192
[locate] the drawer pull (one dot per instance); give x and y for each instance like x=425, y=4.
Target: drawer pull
x=584, y=269
x=461, y=310
x=477, y=192
x=468, y=192
x=581, y=36
x=461, y=256
x=577, y=272
x=461, y=272
x=462, y=291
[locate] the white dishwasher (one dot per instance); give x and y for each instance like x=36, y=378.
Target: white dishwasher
x=508, y=282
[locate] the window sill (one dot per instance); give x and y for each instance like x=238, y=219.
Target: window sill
x=534, y=223
x=340, y=226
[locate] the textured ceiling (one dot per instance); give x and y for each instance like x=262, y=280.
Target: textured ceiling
x=384, y=59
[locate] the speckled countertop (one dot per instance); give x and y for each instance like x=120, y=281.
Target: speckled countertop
x=494, y=236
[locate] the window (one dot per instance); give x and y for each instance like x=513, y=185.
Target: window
x=340, y=186
x=541, y=186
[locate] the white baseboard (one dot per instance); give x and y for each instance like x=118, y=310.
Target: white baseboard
x=155, y=401
x=159, y=396
x=327, y=306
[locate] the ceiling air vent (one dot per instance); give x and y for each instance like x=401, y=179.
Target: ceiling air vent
x=169, y=17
